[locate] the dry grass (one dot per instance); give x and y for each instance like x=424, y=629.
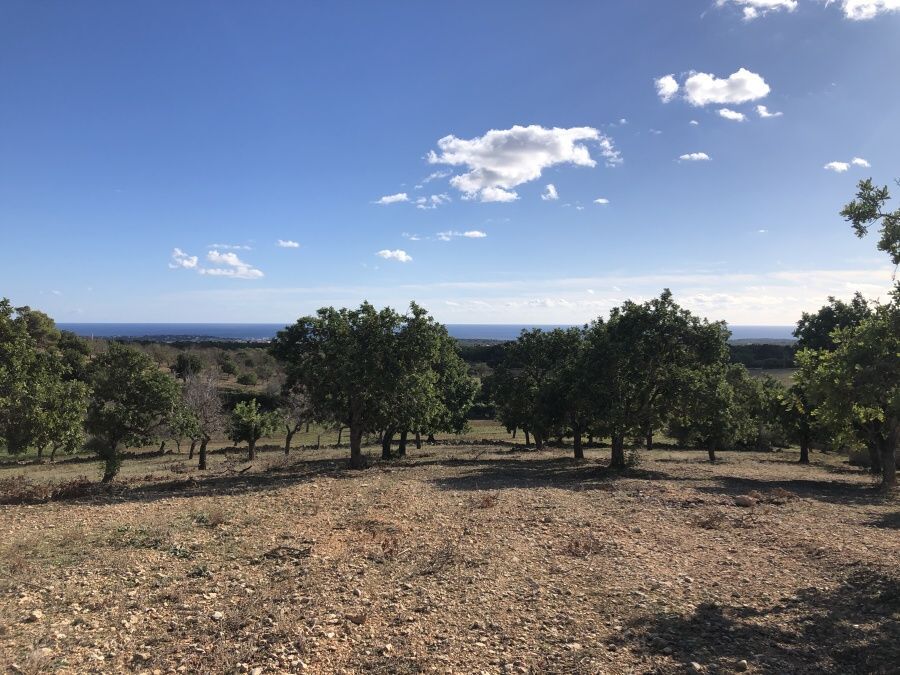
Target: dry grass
x=457, y=559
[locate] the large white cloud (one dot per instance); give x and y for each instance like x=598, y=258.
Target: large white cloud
x=230, y=266
x=859, y=10
x=666, y=87
x=703, y=88
x=397, y=254
x=756, y=8
x=503, y=159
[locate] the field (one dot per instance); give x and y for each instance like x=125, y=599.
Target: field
x=481, y=558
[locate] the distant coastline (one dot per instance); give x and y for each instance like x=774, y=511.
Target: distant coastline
x=266, y=331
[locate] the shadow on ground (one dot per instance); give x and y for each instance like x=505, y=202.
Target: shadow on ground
x=853, y=628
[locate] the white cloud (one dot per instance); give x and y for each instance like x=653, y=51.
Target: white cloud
x=753, y=9
x=859, y=161
x=233, y=247
x=695, y=157
x=393, y=199
x=603, y=201
x=181, y=260
x=233, y=266
x=468, y=234
x=763, y=112
x=397, y=254
x=550, y=193
x=503, y=159
x=666, y=87
x=837, y=167
x=435, y=175
x=694, y=123
x=703, y=88
x=432, y=202
x=287, y=243
x=860, y=10
x=474, y=234
x=496, y=194
x=733, y=115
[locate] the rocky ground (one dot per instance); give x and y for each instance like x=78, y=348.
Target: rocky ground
x=463, y=560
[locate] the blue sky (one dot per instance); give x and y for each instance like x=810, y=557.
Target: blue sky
x=130, y=130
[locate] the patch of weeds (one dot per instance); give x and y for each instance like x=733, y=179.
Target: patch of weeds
x=443, y=558
x=584, y=545
x=140, y=537
x=180, y=551
x=486, y=502
x=199, y=572
x=212, y=518
x=713, y=520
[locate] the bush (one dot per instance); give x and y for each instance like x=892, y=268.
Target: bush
x=248, y=379
x=229, y=368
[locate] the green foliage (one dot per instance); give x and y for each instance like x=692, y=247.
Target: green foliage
x=247, y=379
x=229, y=368
x=187, y=364
x=867, y=210
x=249, y=423
x=131, y=401
x=814, y=330
x=41, y=402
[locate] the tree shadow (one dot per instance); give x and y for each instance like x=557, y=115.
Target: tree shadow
x=831, y=491
x=854, y=628
x=566, y=473
x=888, y=521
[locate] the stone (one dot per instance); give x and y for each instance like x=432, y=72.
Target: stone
x=741, y=666
x=696, y=667
x=36, y=615
x=217, y=616
x=745, y=501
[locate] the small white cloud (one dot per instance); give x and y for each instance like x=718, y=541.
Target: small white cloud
x=431, y=202
x=393, y=199
x=469, y=234
x=666, y=87
x=233, y=247
x=550, y=193
x=233, y=266
x=181, y=260
x=56, y=292
x=763, y=112
x=753, y=9
x=503, y=159
x=397, y=254
x=411, y=237
x=733, y=115
x=287, y=243
x=703, y=88
x=474, y=234
x=694, y=123
x=860, y=10
x=695, y=157
x=761, y=231
x=837, y=167
x=859, y=161
x=603, y=201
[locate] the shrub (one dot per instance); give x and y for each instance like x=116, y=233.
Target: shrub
x=248, y=379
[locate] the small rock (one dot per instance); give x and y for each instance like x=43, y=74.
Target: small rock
x=744, y=500
x=217, y=616
x=36, y=615
x=741, y=666
x=256, y=671
x=696, y=667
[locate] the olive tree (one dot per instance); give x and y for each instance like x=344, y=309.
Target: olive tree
x=130, y=402
x=203, y=414
x=249, y=422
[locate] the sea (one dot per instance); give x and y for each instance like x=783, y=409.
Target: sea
x=266, y=331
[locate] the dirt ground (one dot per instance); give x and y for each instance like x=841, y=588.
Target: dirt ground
x=459, y=559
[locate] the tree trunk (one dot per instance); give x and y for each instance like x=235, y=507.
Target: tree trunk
x=251, y=448
x=162, y=447
x=386, y=440
x=514, y=433
x=418, y=441
x=711, y=450
x=287, y=441
x=340, y=433
x=307, y=427
x=804, y=452
x=538, y=440
x=617, y=459
x=111, y=465
x=527, y=437
x=53, y=454
x=401, y=447
x=357, y=459
x=40, y=452
x=201, y=464
x=431, y=440
x=191, y=451
x=319, y=442
x=576, y=442
x=649, y=439
x=888, y=465
x=590, y=439
x=874, y=458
